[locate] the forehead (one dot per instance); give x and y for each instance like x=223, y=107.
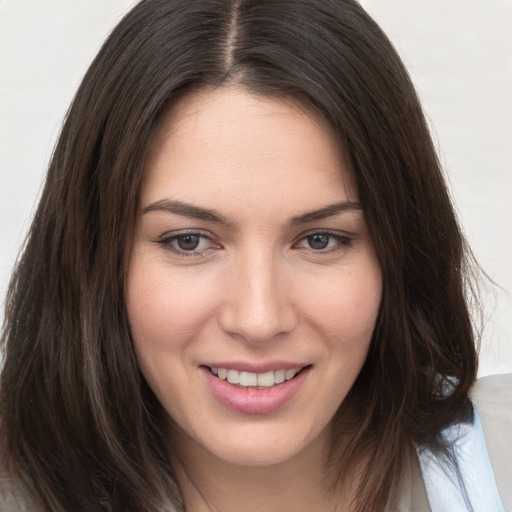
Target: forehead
x=228, y=143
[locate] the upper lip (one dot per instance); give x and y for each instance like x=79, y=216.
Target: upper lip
x=263, y=367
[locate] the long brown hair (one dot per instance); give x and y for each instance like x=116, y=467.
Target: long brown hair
x=80, y=426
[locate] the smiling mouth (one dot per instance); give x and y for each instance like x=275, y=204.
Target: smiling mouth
x=250, y=380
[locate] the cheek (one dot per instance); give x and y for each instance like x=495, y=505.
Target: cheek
x=345, y=309
x=165, y=309
x=345, y=315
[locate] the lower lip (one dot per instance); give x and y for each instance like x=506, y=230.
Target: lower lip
x=252, y=400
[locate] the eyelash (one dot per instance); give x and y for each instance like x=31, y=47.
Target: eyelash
x=342, y=241
x=167, y=243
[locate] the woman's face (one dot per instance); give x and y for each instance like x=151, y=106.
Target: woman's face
x=251, y=259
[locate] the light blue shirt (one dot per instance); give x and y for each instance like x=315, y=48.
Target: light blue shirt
x=473, y=487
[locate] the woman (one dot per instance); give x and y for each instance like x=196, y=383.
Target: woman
x=244, y=285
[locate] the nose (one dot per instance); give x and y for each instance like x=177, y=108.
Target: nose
x=258, y=301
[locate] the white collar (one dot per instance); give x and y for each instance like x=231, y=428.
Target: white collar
x=473, y=487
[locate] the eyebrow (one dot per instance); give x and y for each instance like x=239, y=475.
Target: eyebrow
x=205, y=214
x=328, y=211
x=187, y=210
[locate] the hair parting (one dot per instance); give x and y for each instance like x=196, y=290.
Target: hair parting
x=80, y=427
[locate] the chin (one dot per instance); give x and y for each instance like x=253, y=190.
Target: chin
x=261, y=455
x=261, y=447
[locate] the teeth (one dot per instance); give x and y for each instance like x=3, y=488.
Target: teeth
x=266, y=379
x=279, y=376
x=290, y=374
x=246, y=379
x=233, y=377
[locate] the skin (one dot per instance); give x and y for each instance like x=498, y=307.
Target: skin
x=256, y=288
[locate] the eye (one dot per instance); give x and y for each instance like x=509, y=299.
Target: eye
x=188, y=244
x=324, y=242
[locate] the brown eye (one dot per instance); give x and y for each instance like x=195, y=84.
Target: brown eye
x=323, y=242
x=318, y=241
x=187, y=242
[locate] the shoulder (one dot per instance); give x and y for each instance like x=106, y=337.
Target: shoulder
x=492, y=397
x=13, y=498
x=491, y=391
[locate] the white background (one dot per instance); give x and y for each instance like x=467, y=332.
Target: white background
x=459, y=53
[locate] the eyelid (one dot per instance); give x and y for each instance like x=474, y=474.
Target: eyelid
x=165, y=241
x=331, y=232
x=342, y=237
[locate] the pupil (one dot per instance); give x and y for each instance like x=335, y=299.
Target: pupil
x=318, y=241
x=188, y=242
